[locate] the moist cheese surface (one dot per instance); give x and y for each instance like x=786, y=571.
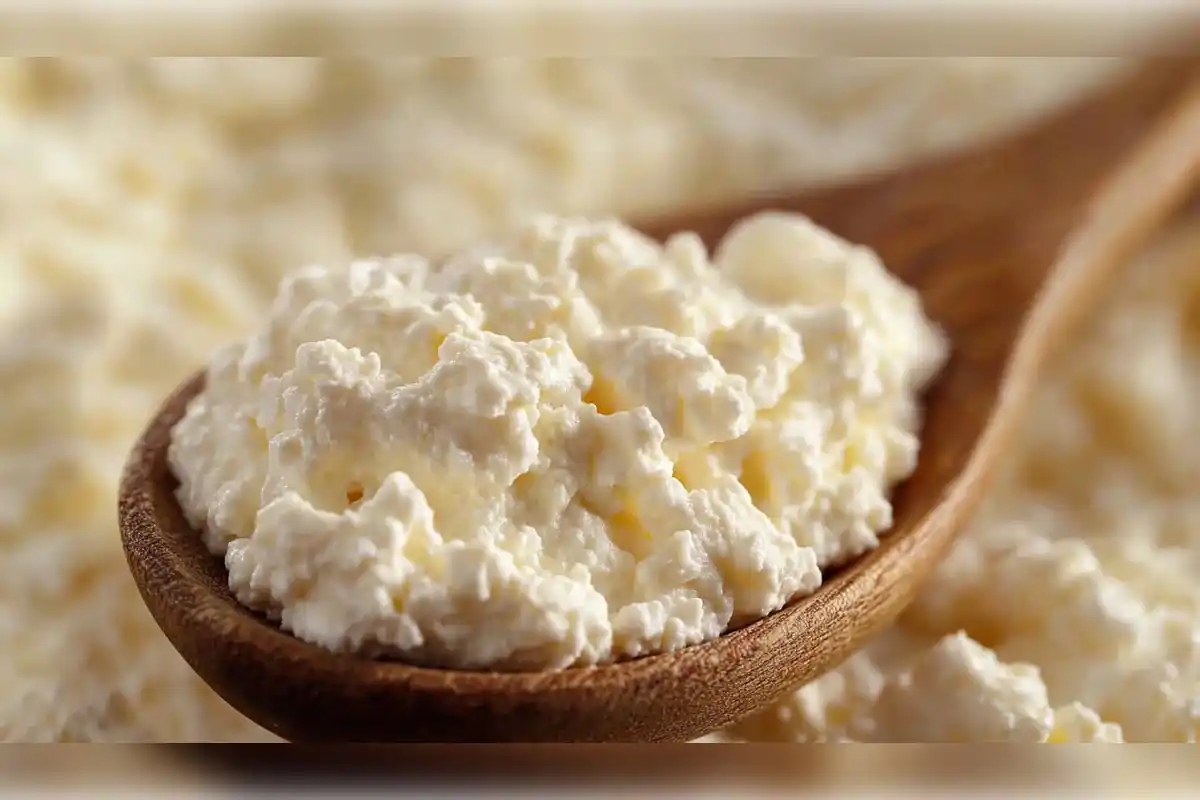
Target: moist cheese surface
x=571, y=446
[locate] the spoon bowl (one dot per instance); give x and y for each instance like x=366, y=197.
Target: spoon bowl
x=1008, y=244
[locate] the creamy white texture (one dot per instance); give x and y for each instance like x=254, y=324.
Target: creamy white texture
x=571, y=447
x=148, y=213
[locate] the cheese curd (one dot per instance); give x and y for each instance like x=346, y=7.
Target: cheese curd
x=572, y=446
x=988, y=701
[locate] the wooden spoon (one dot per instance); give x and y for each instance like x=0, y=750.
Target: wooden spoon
x=1009, y=246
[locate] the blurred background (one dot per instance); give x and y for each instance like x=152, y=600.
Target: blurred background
x=149, y=207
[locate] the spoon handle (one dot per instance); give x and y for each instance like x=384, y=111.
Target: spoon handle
x=1140, y=193
x=995, y=216
x=1143, y=191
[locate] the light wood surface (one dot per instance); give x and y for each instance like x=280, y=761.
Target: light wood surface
x=1009, y=245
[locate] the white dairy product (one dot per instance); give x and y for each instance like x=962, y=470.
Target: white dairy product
x=155, y=211
x=1078, y=724
x=574, y=446
x=987, y=701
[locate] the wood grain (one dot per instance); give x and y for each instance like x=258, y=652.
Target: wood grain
x=977, y=233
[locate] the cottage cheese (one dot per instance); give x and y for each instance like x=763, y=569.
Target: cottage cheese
x=148, y=214
x=573, y=446
x=954, y=690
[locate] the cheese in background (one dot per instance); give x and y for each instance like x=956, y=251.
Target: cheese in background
x=148, y=212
